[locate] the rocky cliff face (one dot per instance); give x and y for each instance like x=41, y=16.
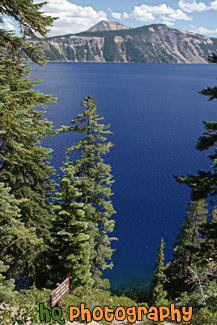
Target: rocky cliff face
x=148, y=44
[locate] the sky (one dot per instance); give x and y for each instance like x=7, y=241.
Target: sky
x=77, y=16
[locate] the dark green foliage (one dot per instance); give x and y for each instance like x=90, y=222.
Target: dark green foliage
x=53, y=54
x=24, y=307
x=86, y=46
x=158, y=273
x=96, y=51
x=23, y=160
x=24, y=169
x=213, y=57
x=73, y=227
x=6, y=286
x=186, y=248
x=32, y=22
x=157, y=292
x=201, y=288
x=208, y=231
x=89, y=55
x=16, y=241
x=70, y=53
x=134, y=54
x=70, y=249
x=93, y=181
x=80, y=54
x=188, y=241
x=110, y=50
x=204, y=312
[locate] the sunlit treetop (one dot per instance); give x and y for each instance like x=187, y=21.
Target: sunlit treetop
x=32, y=22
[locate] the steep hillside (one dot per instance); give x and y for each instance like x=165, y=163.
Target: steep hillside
x=147, y=44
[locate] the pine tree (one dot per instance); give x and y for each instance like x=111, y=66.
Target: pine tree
x=93, y=181
x=69, y=246
x=157, y=292
x=6, y=286
x=186, y=248
x=16, y=241
x=188, y=241
x=23, y=161
x=31, y=21
x=208, y=231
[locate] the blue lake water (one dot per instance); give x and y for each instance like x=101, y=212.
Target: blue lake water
x=156, y=115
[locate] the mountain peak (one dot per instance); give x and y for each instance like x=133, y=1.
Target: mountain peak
x=106, y=26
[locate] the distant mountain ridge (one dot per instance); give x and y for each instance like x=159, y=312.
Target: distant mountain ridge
x=155, y=43
x=106, y=26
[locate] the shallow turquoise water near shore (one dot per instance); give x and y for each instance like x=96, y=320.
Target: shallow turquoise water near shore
x=156, y=115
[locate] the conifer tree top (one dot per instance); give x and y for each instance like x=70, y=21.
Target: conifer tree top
x=32, y=23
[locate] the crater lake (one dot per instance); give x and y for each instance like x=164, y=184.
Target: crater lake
x=156, y=114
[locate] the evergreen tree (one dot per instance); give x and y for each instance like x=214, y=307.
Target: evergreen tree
x=6, y=286
x=189, y=238
x=157, y=292
x=70, y=248
x=31, y=21
x=186, y=248
x=208, y=233
x=23, y=161
x=16, y=241
x=93, y=181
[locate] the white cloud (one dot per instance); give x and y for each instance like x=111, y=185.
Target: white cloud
x=142, y=14
x=8, y=24
x=148, y=13
x=126, y=15
x=72, y=18
x=155, y=10
x=167, y=21
x=213, y=5
x=193, y=6
x=203, y=30
x=116, y=15
x=179, y=15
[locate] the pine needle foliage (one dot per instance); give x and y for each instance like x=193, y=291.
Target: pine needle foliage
x=23, y=160
x=6, y=286
x=186, y=248
x=189, y=239
x=24, y=163
x=157, y=292
x=93, y=180
x=70, y=249
x=31, y=21
x=158, y=274
x=208, y=233
x=16, y=241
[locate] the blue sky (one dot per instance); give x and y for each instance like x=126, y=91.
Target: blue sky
x=76, y=16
